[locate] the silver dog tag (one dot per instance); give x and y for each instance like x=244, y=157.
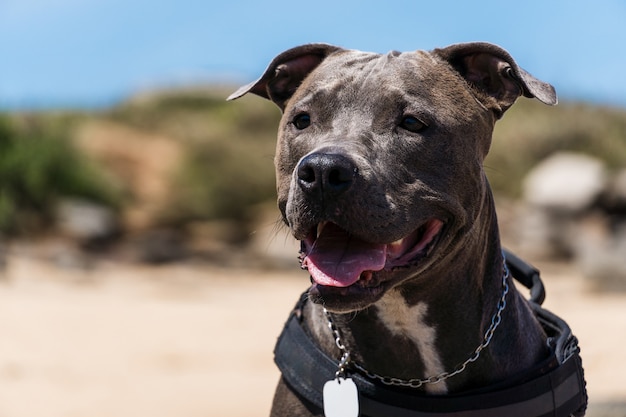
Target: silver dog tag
x=341, y=398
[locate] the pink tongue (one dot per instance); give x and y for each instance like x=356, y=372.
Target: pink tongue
x=337, y=259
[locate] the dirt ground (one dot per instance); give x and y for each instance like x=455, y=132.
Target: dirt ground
x=192, y=340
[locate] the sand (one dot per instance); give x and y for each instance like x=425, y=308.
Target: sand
x=191, y=340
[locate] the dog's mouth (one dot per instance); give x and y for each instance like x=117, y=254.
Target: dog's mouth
x=336, y=258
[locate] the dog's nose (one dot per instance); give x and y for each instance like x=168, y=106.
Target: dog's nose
x=326, y=174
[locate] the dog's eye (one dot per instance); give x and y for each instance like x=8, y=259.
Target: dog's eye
x=412, y=124
x=302, y=121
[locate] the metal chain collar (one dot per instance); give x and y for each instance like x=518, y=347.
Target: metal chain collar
x=345, y=360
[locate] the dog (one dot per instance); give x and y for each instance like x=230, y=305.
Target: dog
x=379, y=168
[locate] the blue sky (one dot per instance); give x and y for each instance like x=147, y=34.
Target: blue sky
x=72, y=53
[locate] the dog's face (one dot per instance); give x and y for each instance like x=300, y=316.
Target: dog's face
x=379, y=158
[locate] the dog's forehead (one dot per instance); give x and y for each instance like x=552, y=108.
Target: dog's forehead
x=363, y=68
x=379, y=83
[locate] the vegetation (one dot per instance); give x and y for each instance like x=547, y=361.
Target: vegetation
x=228, y=150
x=38, y=166
x=228, y=153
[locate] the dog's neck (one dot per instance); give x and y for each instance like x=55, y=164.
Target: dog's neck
x=434, y=323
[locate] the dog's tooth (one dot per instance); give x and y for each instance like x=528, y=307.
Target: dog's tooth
x=397, y=244
x=320, y=227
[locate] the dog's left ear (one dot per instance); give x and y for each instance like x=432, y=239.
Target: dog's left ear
x=286, y=72
x=495, y=73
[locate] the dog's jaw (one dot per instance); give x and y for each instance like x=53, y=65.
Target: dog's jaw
x=349, y=274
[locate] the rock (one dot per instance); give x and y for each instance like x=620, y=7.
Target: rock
x=601, y=255
x=543, y=235
x=86, y=221
x=614, y=201
x=618, y=187
x=558, y=192
x=161, y=246
x=565, y=182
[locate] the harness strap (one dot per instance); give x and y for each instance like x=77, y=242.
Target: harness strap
x=558, y=393
x=555, y=388
x=528, y=275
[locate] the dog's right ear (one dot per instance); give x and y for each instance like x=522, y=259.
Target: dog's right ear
x=286, y=72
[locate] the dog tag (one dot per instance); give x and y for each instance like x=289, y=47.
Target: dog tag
x=341, y=398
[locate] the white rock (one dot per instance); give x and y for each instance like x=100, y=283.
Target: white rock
x=84, y=220
x=566, y=182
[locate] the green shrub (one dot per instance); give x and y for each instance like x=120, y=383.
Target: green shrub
x=221, y=181
x=227, y=166
x=37, y=167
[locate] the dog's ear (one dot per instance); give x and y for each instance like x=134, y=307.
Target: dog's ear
x=495, y=73
x=286, y=72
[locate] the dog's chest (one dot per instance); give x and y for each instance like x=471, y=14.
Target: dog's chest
x=410, y=322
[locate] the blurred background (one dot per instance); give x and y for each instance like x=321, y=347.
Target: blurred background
x=143, y=269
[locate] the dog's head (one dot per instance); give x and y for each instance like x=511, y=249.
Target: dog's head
x=379, y=157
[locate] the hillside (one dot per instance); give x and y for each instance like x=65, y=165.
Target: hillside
x=190, y=161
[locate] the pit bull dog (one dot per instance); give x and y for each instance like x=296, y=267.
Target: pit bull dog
x=379, y=167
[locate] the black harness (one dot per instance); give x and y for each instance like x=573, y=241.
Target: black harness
x=555, y=387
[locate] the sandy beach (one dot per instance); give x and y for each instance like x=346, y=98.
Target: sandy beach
x=121, y=340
